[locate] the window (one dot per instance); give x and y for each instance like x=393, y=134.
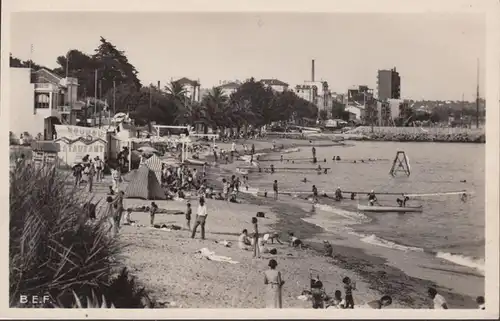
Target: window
x=42, y=101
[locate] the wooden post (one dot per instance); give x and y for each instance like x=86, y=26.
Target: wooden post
x=129, y=145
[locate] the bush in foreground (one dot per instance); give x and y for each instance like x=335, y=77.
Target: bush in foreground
x=54, y=250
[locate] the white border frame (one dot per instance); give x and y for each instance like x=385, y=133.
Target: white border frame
x=491, y=8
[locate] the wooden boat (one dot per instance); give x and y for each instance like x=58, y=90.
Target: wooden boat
x=388, y=209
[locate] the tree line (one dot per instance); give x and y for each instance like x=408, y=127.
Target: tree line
x=251, y=105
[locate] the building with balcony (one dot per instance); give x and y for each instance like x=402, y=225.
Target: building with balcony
x=275, y=84
x=192, y=88
x=388, y=84
x=316, y=92
x=39, y=100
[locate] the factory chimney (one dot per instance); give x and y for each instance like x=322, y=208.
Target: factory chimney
x=312, y=70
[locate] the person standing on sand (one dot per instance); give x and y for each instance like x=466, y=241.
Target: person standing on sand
x=189, y=211
x=99, y=166
x=275, y=189
x=152, y=212
x=255, y=243
x=348, y=287
x=437, y=299
x=90, y=176
x=118, y=204
x=201, y=218
x=111, y=216
x=274, y=282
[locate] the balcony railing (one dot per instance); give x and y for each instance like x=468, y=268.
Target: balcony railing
x=47, y=86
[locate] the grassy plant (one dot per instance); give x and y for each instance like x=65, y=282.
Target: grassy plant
x=53, y=248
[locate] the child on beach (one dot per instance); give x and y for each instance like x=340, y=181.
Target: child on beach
x=152, y=212
x=437, y=299
x=189, y=211
x=256, y=252
x=128, y=214
x=244, y=241
x=348, y=287
x=337, y=301
x=294, y=241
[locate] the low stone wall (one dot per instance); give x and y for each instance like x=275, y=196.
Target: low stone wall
x=418, y=134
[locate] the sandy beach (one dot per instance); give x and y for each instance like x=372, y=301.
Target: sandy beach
x=165, y=261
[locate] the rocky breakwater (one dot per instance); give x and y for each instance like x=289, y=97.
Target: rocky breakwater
x=418, y=134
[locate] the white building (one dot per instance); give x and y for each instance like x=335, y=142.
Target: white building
x=229, y=87
x=357, y=110
x=394, y=107
x=275, y=84
x=39, y=100
x=192, y=88
x=315, y=92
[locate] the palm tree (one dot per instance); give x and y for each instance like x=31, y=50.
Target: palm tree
x=176, y=95
x=215, y=105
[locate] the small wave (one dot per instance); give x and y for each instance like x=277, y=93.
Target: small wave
x=475, y=263
x=290, y=150
x=375, y=240
x=354, y=216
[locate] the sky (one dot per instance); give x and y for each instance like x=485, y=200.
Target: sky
x=435, y=54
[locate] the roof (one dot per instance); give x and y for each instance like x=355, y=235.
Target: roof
x=187, y=81
x=45, y=146
x=274, y=82
x=47, y=75
x=230, y=85
x=82, y=139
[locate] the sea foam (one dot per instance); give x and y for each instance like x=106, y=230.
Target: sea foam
x=475, y=263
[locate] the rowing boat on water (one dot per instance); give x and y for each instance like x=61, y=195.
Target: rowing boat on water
x=382, y=209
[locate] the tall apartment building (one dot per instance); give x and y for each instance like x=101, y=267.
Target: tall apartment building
x=388, y=84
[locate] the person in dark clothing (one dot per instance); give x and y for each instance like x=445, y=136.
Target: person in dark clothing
x=315, y=193
x=275, y=189
x=348, y=287
x=317, y=293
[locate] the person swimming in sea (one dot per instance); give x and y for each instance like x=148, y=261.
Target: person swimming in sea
x=304, y=180
x=372, y=198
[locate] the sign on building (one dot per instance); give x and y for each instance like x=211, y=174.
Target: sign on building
x=72, y=151
x=80, y=131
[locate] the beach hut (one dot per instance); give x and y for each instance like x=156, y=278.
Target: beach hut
x=144, y=184
x=44, y=153
x=154, y=164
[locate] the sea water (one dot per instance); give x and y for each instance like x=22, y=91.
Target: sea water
x=448, y=228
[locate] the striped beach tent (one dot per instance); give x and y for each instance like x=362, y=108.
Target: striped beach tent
x=144, y=184
x=154, y=164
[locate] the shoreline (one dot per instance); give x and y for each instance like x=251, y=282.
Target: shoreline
x=411, y=291
x=194, y=284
